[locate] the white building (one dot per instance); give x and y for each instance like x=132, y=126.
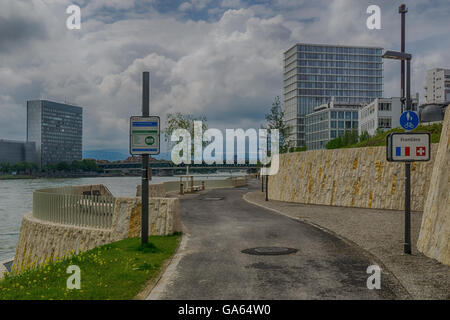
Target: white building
x=382, y=113
x=437, y=87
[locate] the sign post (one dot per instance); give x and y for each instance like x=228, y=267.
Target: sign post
x=408, y=147
x=144, y=141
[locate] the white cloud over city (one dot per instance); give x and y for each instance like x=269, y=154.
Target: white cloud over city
x=222, y=59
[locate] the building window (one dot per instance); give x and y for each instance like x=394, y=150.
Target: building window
x=333, y=124
x=384, y=123
x=341, y=115
x=333, y=114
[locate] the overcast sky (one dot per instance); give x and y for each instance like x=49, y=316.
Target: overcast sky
x=221, y=59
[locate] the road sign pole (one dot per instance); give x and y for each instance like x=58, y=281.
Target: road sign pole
x=407, y=246
x=145, y=200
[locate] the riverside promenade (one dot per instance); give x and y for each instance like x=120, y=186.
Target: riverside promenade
x=219, y=224
x=380, y=234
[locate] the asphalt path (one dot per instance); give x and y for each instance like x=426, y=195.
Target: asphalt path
x=219, y=224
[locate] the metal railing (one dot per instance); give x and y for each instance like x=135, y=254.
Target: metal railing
x=62, y=205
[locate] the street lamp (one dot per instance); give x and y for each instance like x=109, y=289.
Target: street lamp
x=402, y=56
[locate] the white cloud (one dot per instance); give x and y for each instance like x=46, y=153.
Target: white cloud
x=229, y=69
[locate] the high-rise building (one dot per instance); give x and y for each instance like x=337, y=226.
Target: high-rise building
x=314, y=73
x=57, y=130
x=437, y=87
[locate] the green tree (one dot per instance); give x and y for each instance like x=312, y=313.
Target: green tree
x=63, y=166
x=5, y=167
x=275, y=120
x=335, y=143
x=364, y=136
x=182, y=121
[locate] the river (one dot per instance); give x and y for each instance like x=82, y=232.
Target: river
x=16, y=199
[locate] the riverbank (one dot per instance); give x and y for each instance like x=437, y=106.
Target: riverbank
x=16, y=177
x=380, y=234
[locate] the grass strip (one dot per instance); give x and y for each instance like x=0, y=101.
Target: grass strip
x=116, y=271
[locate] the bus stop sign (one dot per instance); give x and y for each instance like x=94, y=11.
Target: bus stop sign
x=144, y=135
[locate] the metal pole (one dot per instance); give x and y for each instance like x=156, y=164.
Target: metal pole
x=267, y=176
x=407, y=246
x=262, y=178
x=145, y=175
x=402, y=10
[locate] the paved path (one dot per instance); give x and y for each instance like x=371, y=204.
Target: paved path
x=210, y=264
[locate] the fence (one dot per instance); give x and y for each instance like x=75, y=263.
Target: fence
x=63, y=205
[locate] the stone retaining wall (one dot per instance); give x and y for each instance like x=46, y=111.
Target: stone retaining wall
x=41, y=241
x=356, y=177
x=434, y=234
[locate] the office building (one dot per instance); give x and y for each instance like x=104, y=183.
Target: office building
x=382, y=113
x=13, y=152
x=329, y=121
x=313, y=74
x=56, y=129
x=437, y=86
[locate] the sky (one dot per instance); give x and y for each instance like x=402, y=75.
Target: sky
x=220, y=59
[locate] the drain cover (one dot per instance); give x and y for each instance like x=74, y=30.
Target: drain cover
x=213, y=198
x=269, y=251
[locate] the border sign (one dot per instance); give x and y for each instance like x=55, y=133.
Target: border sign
x=408, y=146
x=144, y=135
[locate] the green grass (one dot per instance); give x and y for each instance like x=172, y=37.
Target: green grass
x=380, y=139
x=119, y=270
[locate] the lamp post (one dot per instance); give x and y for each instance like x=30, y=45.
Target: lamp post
x=405, y=57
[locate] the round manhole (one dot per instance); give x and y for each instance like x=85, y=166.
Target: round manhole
x=213, y=198
x=269, y=251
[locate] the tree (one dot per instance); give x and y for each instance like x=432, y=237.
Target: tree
x=183, y=121
x=5, y=167
x=275, y=120
x=364, y=136
x=63, y=166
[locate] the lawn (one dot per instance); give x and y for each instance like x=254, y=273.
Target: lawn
x=380, y=139
x=119, y=270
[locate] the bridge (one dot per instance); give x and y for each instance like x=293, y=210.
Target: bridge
x=169, y=168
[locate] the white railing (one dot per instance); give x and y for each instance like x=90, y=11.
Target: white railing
x=62, y=205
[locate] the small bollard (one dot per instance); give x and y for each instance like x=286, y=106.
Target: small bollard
x=181, y=188
x=203, y=185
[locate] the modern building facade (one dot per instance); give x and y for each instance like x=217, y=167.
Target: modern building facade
x=329, y=121
x=382, y=113
x=57, y=130
x=13, y=152
x=314, y=73
x=437, y=86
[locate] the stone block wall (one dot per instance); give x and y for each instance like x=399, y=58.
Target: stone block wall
x=434, y=237
x=154, y=190
x=356, y=177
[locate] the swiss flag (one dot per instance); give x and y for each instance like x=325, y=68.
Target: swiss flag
x=420, y=151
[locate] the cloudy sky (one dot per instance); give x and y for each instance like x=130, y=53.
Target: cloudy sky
x=222, y=59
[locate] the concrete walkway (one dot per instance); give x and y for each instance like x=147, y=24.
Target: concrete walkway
x=210, y=265
x=379, y=232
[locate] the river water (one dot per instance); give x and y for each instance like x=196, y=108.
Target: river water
x=16, y=199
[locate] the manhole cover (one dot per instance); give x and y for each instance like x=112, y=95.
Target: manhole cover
x=269, y=251
x=213, y=198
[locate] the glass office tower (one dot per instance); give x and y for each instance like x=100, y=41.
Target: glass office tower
x=314, y=74
x=57, y=130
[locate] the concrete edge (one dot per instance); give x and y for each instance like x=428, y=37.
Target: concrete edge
x=151, y=284
x=400, y=289
x=3, y=269
x=169, y=270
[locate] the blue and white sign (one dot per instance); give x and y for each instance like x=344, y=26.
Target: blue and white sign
x=144, y=135
x=409, y=120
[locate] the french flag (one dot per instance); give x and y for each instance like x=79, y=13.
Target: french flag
x=402, y=151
